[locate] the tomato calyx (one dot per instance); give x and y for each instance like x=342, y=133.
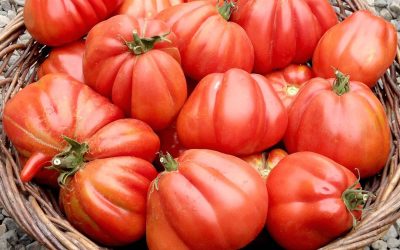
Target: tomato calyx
x=341, y=84
x=69, y=161
x=226, y=9
x=355, y=199
x=168, y=162
x=140, y=46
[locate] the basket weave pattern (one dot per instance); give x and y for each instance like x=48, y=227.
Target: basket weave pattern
x=36, y=209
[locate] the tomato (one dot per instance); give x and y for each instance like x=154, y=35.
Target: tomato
x=342, y=120
x=58, y=127
x=265, y=161
x=233, y=112
x=283, y=32
x=106, y=199
x=170, y=142
x=312, y=201
x=145, y=8
x=363, y=45
x=205, y=200
x=45, y=176
x=288, y=81
x=58, y=22
x=66, y=59
x=141, y=73
x=208, y=41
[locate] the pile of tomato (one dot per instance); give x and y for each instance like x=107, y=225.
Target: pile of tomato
x=171, y=120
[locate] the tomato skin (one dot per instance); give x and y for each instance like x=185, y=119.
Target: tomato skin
x=362, y=46
x=170, y=141
x=58, y=22
x=66, y=59
x=353, y=129
x=309, y=212
x=283, y=32
x=202, y=53
x=106, y=199
x=145, y=8
x=150, y=87
x=193, y=207
x=288, y=81
x=233, y=112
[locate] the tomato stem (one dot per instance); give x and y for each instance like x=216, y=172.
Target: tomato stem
x=142, y=45
x=292, y=90
x=341, y=84
x=226, y=9
x=168, y=161
x=69, y=161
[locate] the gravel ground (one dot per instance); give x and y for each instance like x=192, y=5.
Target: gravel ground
x=13, y=237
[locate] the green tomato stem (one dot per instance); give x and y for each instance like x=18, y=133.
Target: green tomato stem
x=168, y=162
x=341, y=85
x=226, y=9
x=142, y=45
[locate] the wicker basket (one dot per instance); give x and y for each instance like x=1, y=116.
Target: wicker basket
x=36, y=209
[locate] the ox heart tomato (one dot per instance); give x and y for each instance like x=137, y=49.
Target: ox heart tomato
x=145, y=8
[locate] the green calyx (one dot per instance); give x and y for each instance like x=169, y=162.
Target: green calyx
x=341, y=84
x=142, y=45
x=168, y=161
x=226, y=9
x=69, y=161
x=355, y=199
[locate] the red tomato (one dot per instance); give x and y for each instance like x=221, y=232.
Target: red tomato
x=145, y=8
x=44, y=176
x=314, y=206
x=264, y=162
x=363, y=45
x=141, y=73
x=205, y=200
x=288, y=82
x=283, y=32
x=106, y=199
x=208, y=42
x=66, y=59
x=58, y=22
x=58, y=127
x=342, y=120
x=233, y=112
x=170, y=142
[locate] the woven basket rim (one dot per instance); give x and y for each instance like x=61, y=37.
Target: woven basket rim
x=36, y=209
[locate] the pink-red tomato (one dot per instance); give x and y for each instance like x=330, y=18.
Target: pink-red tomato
x=145, y=8
x=307, y=201
x=205, y=200
x=66, y=59
x=135, y=62
x=283, y=32
x=233, y=112
x=363, y=46
x=208, y=41
x=288, y=81
x=58, y=22
x=342, y=120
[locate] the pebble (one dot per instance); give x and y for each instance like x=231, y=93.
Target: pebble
x=3, y=229
x=394, y=248
x=4, y=245
x=380, y=3
x=34, y=246
x=6, y=5
x=4, y=20
x=393, y=242
x=10, y=236
x=20, y=247
x=385, y=13
x=5, y=213
x=25, y=239
x=379, y=244
x=11, y=14
x=391, y=233
x=10, y=223
x=395, y=6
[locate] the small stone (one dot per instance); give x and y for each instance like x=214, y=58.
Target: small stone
x=395, y=6
x=391, y=233
x=393, y=242
x=394, y=248
x=366, y=248
x=3, y=229
x=34, y=246
x=19, y=2
x=10, y=223
x=5, y=213
x=25, y=239
x=385, y=13
x=5, y=5
x=1, y=215
x=19, y=247
x=379, y=244
x=4, y=21
x=11, y=237
x=11, y=14
x=13, y=60
x=380, y=3
x=4, y=245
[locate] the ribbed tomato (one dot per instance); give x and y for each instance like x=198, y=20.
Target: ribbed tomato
x=135, y=62
x=205, y=200
x=58, y=22
x=312, y=201
x=283, y=32
x=288, y=81
x=363, y=46
x=342, y=120
x=145, y=8
x=67, y=125
x=208, y=41
x=66, y=59
x=233, y=112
